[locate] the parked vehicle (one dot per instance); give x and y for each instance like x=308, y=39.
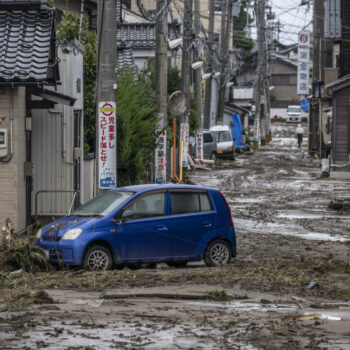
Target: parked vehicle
x=224, y=141
x=293, y=114
x=209, y=146
x=144, y=224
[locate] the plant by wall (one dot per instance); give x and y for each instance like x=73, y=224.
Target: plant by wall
x=67, y=30
x=136, y=126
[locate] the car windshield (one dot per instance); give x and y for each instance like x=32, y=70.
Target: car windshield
x=103, y=204
x=294, y=110
x=222, y=136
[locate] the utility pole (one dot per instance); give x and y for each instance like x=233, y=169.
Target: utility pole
x=198, y=72
x=160, y=155
x=207, y=102
x=260, y=18
x=106, y=157
x=317, y=76
x=226, y=28
x=186, y=71
x=162, y=65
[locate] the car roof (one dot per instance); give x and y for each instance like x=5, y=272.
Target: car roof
x=219, y=128
x=150, y=187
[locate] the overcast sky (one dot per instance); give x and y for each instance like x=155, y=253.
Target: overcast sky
x=292, y=18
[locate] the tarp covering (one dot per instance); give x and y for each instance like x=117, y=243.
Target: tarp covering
x=304, y=105
x=237, y=131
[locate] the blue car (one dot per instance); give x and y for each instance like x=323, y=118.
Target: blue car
x=144, y=224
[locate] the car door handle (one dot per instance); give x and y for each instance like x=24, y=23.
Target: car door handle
x=207, y=224
x=162, y=228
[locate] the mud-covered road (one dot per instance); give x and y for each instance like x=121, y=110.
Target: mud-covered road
x=287, y=237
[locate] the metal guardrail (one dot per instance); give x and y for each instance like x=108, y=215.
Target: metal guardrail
x=53, y=191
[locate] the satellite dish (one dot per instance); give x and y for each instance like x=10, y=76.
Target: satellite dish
x=177, y=103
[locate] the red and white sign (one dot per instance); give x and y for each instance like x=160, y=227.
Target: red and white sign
x=107, y=145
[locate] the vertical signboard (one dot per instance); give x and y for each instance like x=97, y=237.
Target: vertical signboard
x=303, y=63
x=184, y=135
x=160, y=159
x=107, y=150
x=199, y=146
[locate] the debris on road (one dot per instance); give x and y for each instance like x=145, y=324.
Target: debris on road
x=312, y=285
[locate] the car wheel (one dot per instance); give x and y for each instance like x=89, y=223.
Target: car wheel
x=213, y=157
x=98, y=258
x=177, y=263
x=218, y=252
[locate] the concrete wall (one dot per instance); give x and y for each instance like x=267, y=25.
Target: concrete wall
x=12, y=180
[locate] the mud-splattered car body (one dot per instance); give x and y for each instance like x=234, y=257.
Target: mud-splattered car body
x=145, y=223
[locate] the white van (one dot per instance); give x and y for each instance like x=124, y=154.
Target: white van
x=294, y=114
x=224, y=141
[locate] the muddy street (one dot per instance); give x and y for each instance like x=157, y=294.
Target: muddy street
x=288, y=287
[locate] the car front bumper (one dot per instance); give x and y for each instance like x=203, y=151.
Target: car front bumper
x=65, y=252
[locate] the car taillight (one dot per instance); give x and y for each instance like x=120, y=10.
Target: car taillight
x=228, y=208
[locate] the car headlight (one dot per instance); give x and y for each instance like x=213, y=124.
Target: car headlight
x=38, y=234
x=72, y=234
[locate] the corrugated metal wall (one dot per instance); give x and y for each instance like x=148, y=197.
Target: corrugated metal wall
x=341, y=125
x=53, y=141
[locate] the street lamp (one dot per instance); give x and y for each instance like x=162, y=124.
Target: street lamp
x=197, y=64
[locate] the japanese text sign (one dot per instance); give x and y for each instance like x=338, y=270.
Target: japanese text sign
x=107, y=145
x=160, y=159
x=303, y=63
x=184, y=136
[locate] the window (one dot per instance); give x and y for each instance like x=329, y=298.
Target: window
x=103, y=204
x=204, y=202
x=328, y=54
x=293, y=109
x=207, y=138
x=151, y=205
x=222, y=136
x=189, y=202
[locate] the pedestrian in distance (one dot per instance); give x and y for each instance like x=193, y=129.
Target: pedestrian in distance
x=300, y=133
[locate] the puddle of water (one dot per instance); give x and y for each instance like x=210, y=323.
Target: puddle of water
x=282, y=229
x=295, y=214
x=241, y=306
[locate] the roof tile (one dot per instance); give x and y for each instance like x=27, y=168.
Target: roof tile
x=26, y=38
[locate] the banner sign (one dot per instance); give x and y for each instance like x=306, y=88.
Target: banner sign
x=107, y=150
x=303, y=63
x=160, y=159
x=184, y=135
x=256, y=130
x=199, y=146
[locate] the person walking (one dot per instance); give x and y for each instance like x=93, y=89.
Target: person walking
x=300, y=133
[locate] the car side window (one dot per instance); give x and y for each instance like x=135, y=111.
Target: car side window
x=189, y=202
x=205, y=202
x=207, y=138
x=151, y=205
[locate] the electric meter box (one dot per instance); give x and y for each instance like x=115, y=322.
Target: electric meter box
x=3, y=143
